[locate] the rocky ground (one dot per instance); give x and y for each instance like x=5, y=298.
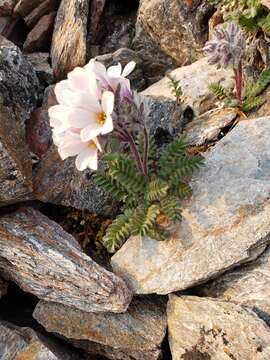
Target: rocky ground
x=203, y=294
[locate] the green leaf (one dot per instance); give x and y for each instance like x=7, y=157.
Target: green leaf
x=171, y=207
x=250, y=104
x=156, y=190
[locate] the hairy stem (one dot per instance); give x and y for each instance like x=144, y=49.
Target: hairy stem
x=135, y=152
x=146, y=151
x=238, y=83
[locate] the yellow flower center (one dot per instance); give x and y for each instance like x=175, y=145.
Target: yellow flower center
x=92, y=145
x=101, y=117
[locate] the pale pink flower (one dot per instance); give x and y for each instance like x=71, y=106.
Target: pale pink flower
x=71, y=144
x=113, y=77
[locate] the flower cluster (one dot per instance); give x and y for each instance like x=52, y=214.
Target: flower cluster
x=86, y=101
x=227, y=47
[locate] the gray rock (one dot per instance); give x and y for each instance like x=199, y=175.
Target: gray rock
x=225, y=223
x=205, y=329
x=136, y=334
x=25, y=343
x=40, y=257
x=68, y=48
x=247, y=285
x=40, y=63
x=15, y=160
x=179, y=28
x=19, y=85
x=194, y=80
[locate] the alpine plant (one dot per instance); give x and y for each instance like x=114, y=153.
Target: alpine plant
x=98, y=116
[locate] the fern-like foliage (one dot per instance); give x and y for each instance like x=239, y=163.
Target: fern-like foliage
x=145, y=199
x=218, y=91
x=175, y=86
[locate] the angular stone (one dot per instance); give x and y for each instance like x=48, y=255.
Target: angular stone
x=24, y=7
x=206, y=329
x=25, y=344
x=40, y=36
x=266, y=3
x=40, y=257
x=15, y=161
x=40, y=63
x=46, y=7
x=194, y=80
x=59, y=182
x=69, y=38
x=19, y=85
x=225, y=223
x=180, y=28
x=208, y=126
x=97, y=7
x=138, y=333
x=7, y=6
x=247, y=285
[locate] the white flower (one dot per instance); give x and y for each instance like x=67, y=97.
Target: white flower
x=82, y=106
x=113, y=77
x=70, y=144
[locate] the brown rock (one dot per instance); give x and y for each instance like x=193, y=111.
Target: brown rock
x=97, y=7
x=3, y=287
x=40, y=257
x=15, y=161
x=138, y=333
x=40, y=37
x=7, y=6
x=178, y=27
x=46, y=7
x=69, y=37
x=24, y=7
x=40, y=63
x=206, y=329
x=25, y=344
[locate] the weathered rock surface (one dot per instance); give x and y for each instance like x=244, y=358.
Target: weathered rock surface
x=24, y=7
x=201, y=328
x=138, y=333
x=19, y=85
x=39, y=256
x=3, y=287
x=40, y=36
x=7, y=6
x=15, y=160
x=46, y=7
x=194, y=83
x=225, y=223
x=96, y=10
x=179, y=27
x=59, y=182
x=69, y=37
x=24, y=343
x=247, y=285
x=40, y=63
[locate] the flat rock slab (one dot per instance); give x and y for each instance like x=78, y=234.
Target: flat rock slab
x=15, y=160
x=225, y=223
x=205, y=329
x=194, y=80
x=69, y=38
x=25, y=344
x=138, y=331
x=248, y=285
x=19, y=85
x=40, y=257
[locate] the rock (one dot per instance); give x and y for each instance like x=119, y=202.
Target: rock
x=138, y=333
x=155, y=61
x=97, y=7
x=15, y=160
x=40, y=63
x=40, y=257
x=46, y=7
x=24, y=343
x=69, y=37
x=180, y=29
x=123, y=56
x=40, y=37
x=59, y=182
x=247, y=285
x=195, y=85
x=24, y=7
x=228, y=216
x=7, y=6
x=208, y=126
x=19, y=85
x=3, y=287
x=201, y=328
x=266, y=3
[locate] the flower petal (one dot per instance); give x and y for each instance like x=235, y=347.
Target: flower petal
x=59, y=90
x=107, y=102
x=108, y=126
x=91, y=131
x=87, y=158
x=115, y=71
x=78, y=79
x=71, y=148
x=128, y=68
x=79, y=118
